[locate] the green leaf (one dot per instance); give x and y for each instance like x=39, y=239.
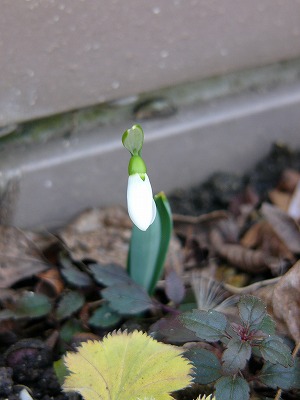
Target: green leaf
x=252, y=310
x=69, y=304
x=278, y=376
x=127, y=298
x=104, y=317
x=232, y=388
x=61, y=371
x=109, y=274
x=207, y=365
x=275, y=351
x=133, y=139
x=267, y=325
x=69, y=329
x=29, y=305
x=73, y=275
x=208, y=325
x=126, y=366
x=235, y=356
x=148, y=249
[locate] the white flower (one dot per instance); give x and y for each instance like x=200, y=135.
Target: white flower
x=140, y=203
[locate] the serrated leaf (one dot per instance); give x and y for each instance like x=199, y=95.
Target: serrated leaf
x=75, y=277
x=104, y=317
x=252, y=310
x=208, y=325
x=207, y=367
x=60, y=370
x=267, y=325
x=127, y=298
x=109, y=274
x=175, y=289
x=148, y=249
x=235, y=356
x=126, y=366
x=275, y=351
x=69, y=304
x=278, y=376
x=232, y=388
x=69, y=328
x=29, y=305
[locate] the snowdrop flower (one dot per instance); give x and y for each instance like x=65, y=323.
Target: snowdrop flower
x=141, y=206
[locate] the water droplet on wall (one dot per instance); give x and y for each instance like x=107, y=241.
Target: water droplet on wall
x=48, y=183
x=30, y=73
x=156, y=10
x=164, y=53
x=115, y=85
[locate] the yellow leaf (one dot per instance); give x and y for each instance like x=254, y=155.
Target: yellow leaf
x=126, y=366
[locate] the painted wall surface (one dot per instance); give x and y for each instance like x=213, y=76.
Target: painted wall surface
x=58, y=55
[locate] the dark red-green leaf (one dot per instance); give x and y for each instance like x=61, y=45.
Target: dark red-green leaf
x=232, y=388
x=127, y=298
x=206, y=365
x=252, y=310
x=75, y=276
x=69, y=304
x=109, y=274
x=278, y=376
x=175, y=289
x=235, y=356
x=208, y=325
x=29, y=305
x=104, y=317
x=171, y=330
x=69, y=329
x=267, y=325
x=275, y=351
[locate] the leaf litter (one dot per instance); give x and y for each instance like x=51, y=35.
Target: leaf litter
x=233, y=235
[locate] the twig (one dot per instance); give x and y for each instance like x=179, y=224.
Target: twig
x=250, y=288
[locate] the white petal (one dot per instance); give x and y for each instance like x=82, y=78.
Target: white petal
x=140, y=201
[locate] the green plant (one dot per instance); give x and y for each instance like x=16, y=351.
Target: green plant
x=253, y=336
x=152, y=218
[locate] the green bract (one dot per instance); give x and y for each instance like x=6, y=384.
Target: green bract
x=137, y=166
x=133, y=139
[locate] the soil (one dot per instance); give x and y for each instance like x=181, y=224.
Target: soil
x=29, y=343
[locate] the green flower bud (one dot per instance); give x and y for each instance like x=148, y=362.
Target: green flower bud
x=137, y=166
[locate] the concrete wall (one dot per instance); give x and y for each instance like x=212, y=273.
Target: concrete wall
x=58, y=55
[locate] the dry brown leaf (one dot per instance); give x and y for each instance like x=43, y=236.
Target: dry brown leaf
x=19, y=256
x=289, y=180
x=262, y=236
x=294, y=206
x=51, y=283
x=286, y=301
x=252, y=261
x=285, y=227
x=280, y=199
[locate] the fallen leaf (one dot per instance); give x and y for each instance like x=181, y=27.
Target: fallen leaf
x=286, y=301
x=280, y=199
x=174, y=287
x=294, y=206
x=261, y=235
x=19, y=256
x=285, y=226
x=126, y=366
